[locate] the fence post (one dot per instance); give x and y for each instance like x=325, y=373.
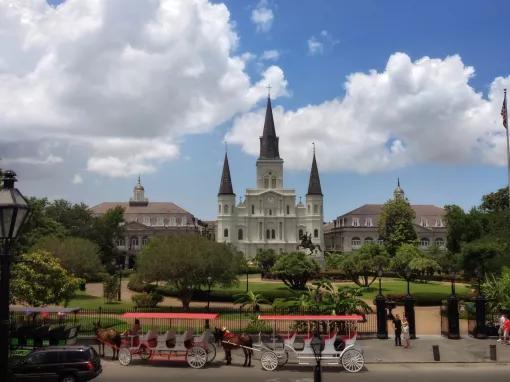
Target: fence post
x=481, y=330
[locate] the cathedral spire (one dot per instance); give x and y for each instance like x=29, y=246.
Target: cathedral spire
x=269, y=140
x=226, y=181
x=314, y=185
x=399, y=192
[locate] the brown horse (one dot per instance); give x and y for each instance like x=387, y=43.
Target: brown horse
x=110, y=337
x=231, y=341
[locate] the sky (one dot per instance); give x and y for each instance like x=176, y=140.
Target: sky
x=97, y=92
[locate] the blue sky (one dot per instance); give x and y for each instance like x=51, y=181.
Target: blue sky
x=350, y=37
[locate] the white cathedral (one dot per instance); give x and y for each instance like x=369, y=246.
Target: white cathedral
x=269, y=217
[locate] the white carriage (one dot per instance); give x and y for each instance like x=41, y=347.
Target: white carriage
x=338, y=345
x=197, y=351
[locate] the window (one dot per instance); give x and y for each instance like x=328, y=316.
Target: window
x=355, y=222
x=266, y=183
x=355, y=242
x=225, y=208
x=368, y=222
x=178, y=220
x=147, y=220
x=121, y=242
x=440, y=242
x=134, y=242
x=308, y=208
x=172, y=220
x=315, y=209
x=184, y=220
x=424, y=242
x=300, y=233
x=316, y=233
x=368, y=240
x=270, y=212
x=280, y=231
x=260, y=231
x=219, y=208
x=288, y=209
x=424, y=222
x=145, y=241
x=240, y=234
x=273, y=234
x=439, y=223
x=160, y=220
x=380, y=241
x=154, y=220
x=253, y=209
x=273, y=182
x=268, y=234
x=225, y=232
x=166, y=221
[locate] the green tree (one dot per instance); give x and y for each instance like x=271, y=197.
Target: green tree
x=420, y=265
x=111, y=287
x=75, y=218
x=495, y=201
x=295, y=269
x=106, y=229
x=78, y=256
x=186, y=261
x=497, y=290
x=251, y=299
x=265, y=260
x=486, y=253
x=362, y=266
x=38, y=279
x=396, y=224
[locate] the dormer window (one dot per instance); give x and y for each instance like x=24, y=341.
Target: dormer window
x=368, y=222
x=355, y=222
x=424, y=222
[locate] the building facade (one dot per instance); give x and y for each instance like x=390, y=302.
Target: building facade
x=143, y=219
x=350, y=231
x=269, y=217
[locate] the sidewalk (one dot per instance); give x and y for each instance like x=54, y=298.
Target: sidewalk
x=465, y=350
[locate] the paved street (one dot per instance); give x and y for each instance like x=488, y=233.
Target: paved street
x=221, y=373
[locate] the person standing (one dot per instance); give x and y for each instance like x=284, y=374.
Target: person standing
x=502, y=319
x=506, y=331
x=397, y=324
x=405, y=333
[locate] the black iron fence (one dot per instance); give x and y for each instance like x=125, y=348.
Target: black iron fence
x=491, y=323
x=233, y=318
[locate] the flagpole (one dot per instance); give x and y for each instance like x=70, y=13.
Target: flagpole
x=508, y=158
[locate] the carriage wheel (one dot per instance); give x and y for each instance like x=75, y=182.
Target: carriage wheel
x=269, y=361
x=283, y=358
x=211, y=352
x=352, y=360
x=145, y=353
x=125, y=356
x=196, y=357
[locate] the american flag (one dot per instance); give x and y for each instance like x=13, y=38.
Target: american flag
x=504, y=113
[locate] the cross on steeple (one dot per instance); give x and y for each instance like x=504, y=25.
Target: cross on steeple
x=268, y=87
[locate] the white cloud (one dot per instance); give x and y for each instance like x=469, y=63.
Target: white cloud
x=315, y=46
x=77, y=179
x=412, y=112
x=105, y=74
x=49, y=160
x=262, y=16
x=272, y=54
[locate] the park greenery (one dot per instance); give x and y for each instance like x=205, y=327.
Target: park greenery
x=188, y=263
x=38, y=279
x=295, y=269
x=396, y=224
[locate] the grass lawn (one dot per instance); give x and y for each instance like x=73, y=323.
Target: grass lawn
x=86, y=301
x=430, y=293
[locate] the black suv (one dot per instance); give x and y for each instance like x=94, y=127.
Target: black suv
x=57, y=363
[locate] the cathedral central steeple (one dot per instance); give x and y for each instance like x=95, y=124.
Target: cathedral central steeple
x=269, y=140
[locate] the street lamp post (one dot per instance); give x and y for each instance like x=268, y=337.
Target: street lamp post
x=481, y=329
x=13, y=213
x=316, y=345
x=409, y=305
x=453, y=309
x=209, y=283
x=382, y=316
x=119, y=293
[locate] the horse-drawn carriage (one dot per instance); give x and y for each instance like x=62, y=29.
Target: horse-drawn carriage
x=33, y=327
x=337, y=344
x=169, y=346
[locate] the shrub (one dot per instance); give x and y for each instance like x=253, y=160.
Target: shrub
x=256, y=326
x=147, y=300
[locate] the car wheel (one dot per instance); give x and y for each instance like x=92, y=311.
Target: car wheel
x=68, y=378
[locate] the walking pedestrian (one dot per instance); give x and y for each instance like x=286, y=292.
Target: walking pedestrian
x=405, y=333
x=502, y=319
x=397, y=324
x=506, y=331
